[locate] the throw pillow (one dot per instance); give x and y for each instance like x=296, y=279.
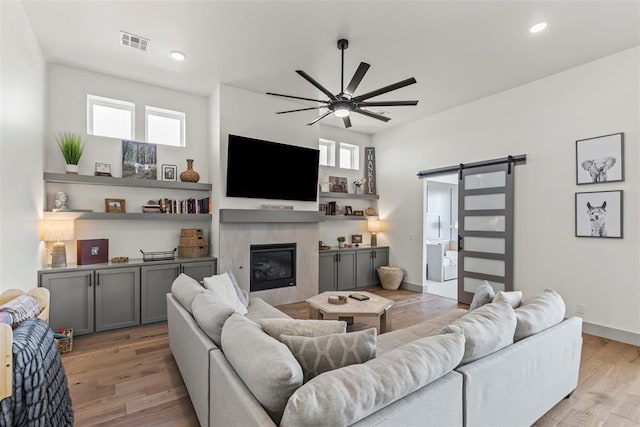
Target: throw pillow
x=539, y=313
x=222, y=287
x=243, y=296
x=513, y=298
x=264, y=364
x=483, y=295
x=185, y=289
x=22, y=308
x=304, y=328
x=321, y=354
x=210, y=315
x=486, y=330
x=344, y=396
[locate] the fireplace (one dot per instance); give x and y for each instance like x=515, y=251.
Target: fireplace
x=272, y=266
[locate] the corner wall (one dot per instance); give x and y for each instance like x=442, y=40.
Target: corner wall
x=22, y=94
x=542, y=119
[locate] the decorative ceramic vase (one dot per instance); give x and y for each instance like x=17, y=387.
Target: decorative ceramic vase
x=72, y=169
x=189, y=175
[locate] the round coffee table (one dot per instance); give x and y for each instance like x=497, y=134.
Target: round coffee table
x=375, y=306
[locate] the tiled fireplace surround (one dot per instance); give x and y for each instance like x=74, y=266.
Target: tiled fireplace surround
x=236, y=239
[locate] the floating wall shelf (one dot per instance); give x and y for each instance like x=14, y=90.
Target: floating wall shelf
x=123, y=182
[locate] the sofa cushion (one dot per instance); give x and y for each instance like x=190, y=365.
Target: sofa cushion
x=324, y=353
x=185, y=289
x=222, y=288
x=210, y=315
x=486, y=329
x=343, y=396
x=264, y=364
x=258, y=310
x=303, y=328
x=538, y=313
x=483, y=295
x=513, y=298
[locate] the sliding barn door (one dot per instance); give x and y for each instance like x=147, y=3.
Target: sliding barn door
x=485, y=229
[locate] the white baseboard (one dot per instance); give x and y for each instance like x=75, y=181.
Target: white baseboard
x=413, y=287
x=610, y=333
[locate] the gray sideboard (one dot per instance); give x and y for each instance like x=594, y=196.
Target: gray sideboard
x=351, y=268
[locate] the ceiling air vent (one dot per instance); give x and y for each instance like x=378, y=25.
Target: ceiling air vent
x=136, y=42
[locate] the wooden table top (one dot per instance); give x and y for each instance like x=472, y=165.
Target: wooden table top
x=374, y=305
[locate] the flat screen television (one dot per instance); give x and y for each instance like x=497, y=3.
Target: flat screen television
x=270, y=170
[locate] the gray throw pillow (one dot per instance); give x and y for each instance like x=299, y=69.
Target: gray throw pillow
x=321, y=354
x=539, y=313
x=486, y=330
x=513, y=298
x=483, y=295
x=185, y=289
x=344, y=396
x=303, y=328
x=265, y=365
x=210, y=315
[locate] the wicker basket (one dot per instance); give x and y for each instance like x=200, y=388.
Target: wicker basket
x=196, y=232
x=390, y=277
x=65, y=345
x=193, y=251
x=193, y=241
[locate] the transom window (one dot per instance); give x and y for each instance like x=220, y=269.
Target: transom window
x=164, y=126
x=349, y=156
x=110, y=117
x=327, y=152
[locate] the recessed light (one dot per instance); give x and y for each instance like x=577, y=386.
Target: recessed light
x=538, y=27
x=176, y=55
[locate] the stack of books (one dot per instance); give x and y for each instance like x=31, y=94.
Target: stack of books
x=188, y=206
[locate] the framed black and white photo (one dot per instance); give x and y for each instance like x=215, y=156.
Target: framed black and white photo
x=348, y=210
x=139, y=160
x=600, y=159
x=338, y=184
x=169, y=172
x=599, y=214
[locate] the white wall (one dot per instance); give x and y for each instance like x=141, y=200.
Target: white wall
x=22, y=94
x=68, y=88
x=543, y=120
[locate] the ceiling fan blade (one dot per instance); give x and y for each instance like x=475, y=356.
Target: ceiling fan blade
x=320, y=118
x=300, y=109
x=386, y=103
x=372, y=115
x=311, y=80
x=297, y=97
x=347, y=121
x=385, y=89
x=357, y=78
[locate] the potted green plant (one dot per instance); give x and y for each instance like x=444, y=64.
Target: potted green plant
x=341, y=241
x=70, y=145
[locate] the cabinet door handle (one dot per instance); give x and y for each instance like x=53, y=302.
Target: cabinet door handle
x=97, y=279
x=89, y=277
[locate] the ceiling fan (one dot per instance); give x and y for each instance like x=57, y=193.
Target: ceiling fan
x=343, y=103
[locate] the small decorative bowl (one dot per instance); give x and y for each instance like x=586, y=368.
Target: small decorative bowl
x=337, y=299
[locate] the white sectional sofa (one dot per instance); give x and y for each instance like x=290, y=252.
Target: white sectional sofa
x=513, y=386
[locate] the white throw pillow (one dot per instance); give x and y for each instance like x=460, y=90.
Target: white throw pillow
x=243, y=295
x=222, y=288
x=185, y=289
x=483, y=295
x=513, y=298
x=539, y=313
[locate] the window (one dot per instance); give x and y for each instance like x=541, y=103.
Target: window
x=349, y=156
x=165, y=126
x=327, y=152
x=110, y=117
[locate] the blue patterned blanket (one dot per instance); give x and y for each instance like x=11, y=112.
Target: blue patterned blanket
x=40, y=393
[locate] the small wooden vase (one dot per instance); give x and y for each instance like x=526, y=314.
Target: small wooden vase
x=189, y=175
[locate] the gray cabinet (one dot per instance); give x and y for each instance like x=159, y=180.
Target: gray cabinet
x=327, y=272
x=199, y=269
x=337, y=271
x=368, y=261
x=346, y=270
x=117, y=298
x=71, y=304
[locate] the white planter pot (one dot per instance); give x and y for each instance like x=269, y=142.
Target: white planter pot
x=72, y=169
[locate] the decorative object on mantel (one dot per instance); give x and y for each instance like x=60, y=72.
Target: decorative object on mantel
x=102, y=169
x=358, y=183
x=61, y=202
x=139, y=160
x=70, y=145
x=94, y=251
x=58, y=231
x=189, y=175
x=341, y=241
x=370, y=170
x=373, y=225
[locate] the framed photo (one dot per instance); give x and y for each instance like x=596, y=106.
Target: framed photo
x=338, y=184
x=169, y=172
x=358, y=213
x=115, y=205
x=103, y=169
x=356, y=239
x=139, y=160
x=600, y=159
x=348, y=210
x=599, y=214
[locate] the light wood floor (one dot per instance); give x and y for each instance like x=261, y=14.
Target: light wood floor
x=128, y=377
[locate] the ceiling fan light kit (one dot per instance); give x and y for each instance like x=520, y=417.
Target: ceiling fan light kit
x=344, y=103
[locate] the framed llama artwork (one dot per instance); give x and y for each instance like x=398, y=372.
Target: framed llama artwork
x=599, y=214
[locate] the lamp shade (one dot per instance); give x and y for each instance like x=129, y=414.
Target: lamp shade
x=373, y=225
x=57, y=230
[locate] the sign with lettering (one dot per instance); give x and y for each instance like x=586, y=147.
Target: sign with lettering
x=370, y=170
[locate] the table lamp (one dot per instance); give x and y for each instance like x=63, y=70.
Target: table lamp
x=58, y=231
x=373, y=226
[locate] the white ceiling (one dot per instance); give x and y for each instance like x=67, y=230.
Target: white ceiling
x=458, y=51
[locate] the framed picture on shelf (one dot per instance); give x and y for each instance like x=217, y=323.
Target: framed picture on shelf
x=358, y=213
x=115, y=205
x=599, y=214
x=139, y=160
x=338, y=184
x=169, y=172
x=600, y=159
x=103, y=169
x=348, y=210
x=356, y=239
